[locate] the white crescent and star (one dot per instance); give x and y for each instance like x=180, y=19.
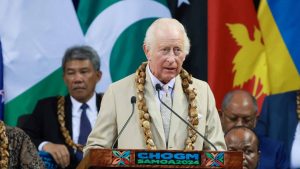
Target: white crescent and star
x=111, y=23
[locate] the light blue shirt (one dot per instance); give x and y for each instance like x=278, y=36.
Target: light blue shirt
x=155, y=81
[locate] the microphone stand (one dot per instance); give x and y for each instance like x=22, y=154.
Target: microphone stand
x=158, y=88
x=133, y=101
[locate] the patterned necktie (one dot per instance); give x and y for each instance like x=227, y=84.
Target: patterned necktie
x=85, y=129
x=165, y=112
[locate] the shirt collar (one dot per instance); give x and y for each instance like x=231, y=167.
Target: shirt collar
x=155, y=81
x=91, y=103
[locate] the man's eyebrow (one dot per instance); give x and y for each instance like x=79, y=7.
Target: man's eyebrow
x=247, y=145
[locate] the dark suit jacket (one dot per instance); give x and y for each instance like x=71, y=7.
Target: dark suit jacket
x=272, y=154
x=278, y=118
x=42, y=125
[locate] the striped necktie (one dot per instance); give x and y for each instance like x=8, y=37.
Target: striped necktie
x=165, y=112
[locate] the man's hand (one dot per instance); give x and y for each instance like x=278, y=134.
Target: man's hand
x=59, y=152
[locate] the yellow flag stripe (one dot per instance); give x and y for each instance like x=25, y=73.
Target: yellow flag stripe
x=282, y=72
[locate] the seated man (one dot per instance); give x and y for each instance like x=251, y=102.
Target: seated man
x=17, y=150
x=153, y=125
x=239, y=108
x=243, y=139
x=280, y=119
x=60, y=125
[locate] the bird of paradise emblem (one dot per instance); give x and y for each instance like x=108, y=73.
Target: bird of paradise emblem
x=250, y=61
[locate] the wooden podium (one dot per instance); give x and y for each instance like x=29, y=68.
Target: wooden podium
x=134, y=158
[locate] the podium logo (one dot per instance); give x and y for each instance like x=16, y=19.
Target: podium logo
x=121, y=157
x=214, y=159
x=167, y=158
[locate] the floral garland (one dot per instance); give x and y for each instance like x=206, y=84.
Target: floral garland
x=3, y=146
x=63, y=129
x=298, y=104
x=145, y=116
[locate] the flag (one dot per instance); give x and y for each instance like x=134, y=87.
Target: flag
x=193, y=15
x=1, y=84
x=116, y=30
x=236, y=57
x=119, y=42
x=280, y=30
x=34, y=35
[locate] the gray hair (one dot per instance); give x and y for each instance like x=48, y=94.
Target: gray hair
x=81, y=53
x=229, y=96
x=157, y=24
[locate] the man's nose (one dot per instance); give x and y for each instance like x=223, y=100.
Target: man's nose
x=240, y=122
x=78, y=77
x=171, y=59
x=171, y=56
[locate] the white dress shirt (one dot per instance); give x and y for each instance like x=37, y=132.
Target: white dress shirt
x=92, y=114
x=295, y=158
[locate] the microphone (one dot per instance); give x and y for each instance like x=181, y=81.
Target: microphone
x=158, y=89
x=133, y=101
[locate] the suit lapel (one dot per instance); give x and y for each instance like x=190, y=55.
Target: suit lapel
x=153, y=108
x=68, y=114
x=98, y=100
x=179, y=106
x=68, y=110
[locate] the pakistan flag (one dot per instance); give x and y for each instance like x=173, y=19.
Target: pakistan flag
x=34, y=36
x=116, y=29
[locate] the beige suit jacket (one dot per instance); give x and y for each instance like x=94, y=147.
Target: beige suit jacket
x=116, y=108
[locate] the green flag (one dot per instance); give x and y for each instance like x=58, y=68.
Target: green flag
x=34, y=36
x=116, y=30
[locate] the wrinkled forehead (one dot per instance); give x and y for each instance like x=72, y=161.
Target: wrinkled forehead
x=242, y=101
x=169, y=37
x=241, y=109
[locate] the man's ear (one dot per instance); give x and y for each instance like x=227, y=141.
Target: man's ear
x=99, y=75
x=146, y=51
x=255, y=120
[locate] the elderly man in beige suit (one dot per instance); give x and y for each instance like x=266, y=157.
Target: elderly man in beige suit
x=166, y=45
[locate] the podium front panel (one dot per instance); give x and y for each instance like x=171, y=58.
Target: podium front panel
x=118, y=158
